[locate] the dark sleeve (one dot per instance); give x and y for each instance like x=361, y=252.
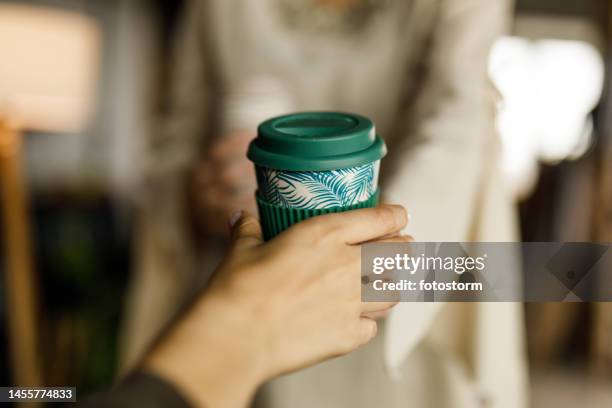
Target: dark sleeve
x=138, y=390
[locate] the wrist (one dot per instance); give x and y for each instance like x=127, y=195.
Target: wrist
x=208, y=360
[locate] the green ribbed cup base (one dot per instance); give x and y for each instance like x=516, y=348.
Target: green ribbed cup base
x=275, y=219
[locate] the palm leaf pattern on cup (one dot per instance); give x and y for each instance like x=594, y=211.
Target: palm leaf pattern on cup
x=318, y=189
x=268, y=182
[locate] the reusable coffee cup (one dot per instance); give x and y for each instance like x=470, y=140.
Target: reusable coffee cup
x=313, y=163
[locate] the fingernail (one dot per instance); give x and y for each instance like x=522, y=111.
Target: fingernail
x=234, y=218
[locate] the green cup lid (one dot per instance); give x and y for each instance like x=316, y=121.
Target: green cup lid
x=316, y=141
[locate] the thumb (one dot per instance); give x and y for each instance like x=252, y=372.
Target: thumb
x=245, y=229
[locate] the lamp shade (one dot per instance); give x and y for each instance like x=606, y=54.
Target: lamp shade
x=49, y=67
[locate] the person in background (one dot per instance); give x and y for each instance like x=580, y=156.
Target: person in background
x=418, y=68
x=232, y=339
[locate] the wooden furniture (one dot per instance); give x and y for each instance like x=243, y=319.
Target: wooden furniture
x=20, y=286
x=48, y=79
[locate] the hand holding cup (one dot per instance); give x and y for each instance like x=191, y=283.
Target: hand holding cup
x=267, y=312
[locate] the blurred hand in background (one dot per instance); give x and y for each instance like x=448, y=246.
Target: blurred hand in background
x=224, y=182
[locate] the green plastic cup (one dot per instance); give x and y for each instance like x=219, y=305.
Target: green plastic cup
x=314, y=163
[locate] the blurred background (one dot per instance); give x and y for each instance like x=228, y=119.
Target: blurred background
x=79, y=81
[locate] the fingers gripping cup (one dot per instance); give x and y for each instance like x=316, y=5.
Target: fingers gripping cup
x=314, y=163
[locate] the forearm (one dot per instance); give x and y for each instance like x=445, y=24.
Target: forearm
x=231, y=371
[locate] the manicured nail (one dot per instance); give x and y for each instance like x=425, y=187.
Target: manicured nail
x=234, y=218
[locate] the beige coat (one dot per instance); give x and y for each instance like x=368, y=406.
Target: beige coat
x=419, y=69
